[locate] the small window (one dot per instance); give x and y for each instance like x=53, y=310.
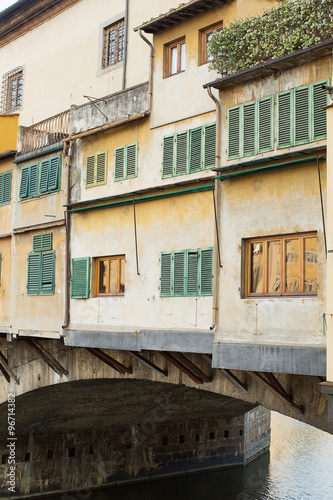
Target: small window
x=113, y=51
x=282, y=265
x=41, y=266
x=96, y=169
x=175, y=57
x=126, y=162
x=5, y=188
x=40, y=178
x=110, y=275
x=206, y=36
x=12, y=86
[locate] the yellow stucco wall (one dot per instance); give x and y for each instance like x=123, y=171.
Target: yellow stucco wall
x=8, y=132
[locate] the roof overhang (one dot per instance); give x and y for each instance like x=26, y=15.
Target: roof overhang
x=179, y=14
x=7, y=154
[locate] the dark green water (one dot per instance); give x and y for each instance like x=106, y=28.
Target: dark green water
x=298, y=467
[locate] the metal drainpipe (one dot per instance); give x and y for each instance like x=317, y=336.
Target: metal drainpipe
x=151, y=65
x=67, y=228
x=125, y=46
x=217, y=194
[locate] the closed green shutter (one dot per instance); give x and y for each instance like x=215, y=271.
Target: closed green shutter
x=265, y=124
x=101, y=163
x=42, y=242
x=165, y=285
x=192, y=272
x=34, y=271
x=206, y=271
x=5, y=187
x=320, y=101
x=44, y=176
x=37, y=243
x=234, y=133
x=2, y=182
x=179, y=273
x=54, y=173
x=90, y=170
x=80, y=281
x=131, y=160
x=285, y=120
x=302, y=113
x=24, y=182
x=249, y=129
x=168, y=152
x=195, y=150
x=47, y=273
x=210, y=145
x=119, y=164
x=33, y=180
x=181, y=153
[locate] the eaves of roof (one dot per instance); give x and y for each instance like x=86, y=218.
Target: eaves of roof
x=7, y=154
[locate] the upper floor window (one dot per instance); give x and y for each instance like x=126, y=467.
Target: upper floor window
x=110, y=275
x=126, y=162
x=5, y=188
x=206, y=35
x=40, y=178
x=175, y=57
x=41, y=266
x=12, y=86
x=96, y=169
x=113, y=43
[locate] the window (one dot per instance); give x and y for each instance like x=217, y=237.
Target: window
x=187, y=273
x=12, y=84
x=113, y=44
x=206, y=36
x=40, y=178
x=80, y=278
x=5, y=188
x=110, y=275
x=175, y=57
x=41, y=266
x=96, y=169
x=281, y=265
x=190, y=151
x=126, y=162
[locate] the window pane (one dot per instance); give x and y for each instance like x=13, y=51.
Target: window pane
x=122, y=276
x=102, y=277
x=208, y=38
x=173, y=60
x=182, y=57
x=273, y=266
x=257, y=267
x=292, y=266
x=113, y=276
x=310, y=264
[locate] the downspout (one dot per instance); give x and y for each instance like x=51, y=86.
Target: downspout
x=125, y=46
x=151, y=66
x=217, y=208
x=67, y=229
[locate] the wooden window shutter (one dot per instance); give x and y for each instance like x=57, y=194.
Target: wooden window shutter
x=24, y=182
x=47, y=272
x=265, y=124
x=249, y=129
x=7, y=187
x=101, y=163
x=285, y=119
x=42, y=242
x=2, y=182
x=179, y=273
x=131, y=160
x=206, y=271
x=33, y=180
x=166, y=285
x=181, y=153
x=195, y=150
x=209, y=146
x=234, y=133
x=80, y=281
x=37, y=243
x=168, y=154
x=44, y=176
x=320, y=101
x=302, y=115
x=192, y=272
x=34, y=270
x=54, y=173
x=90, y=170
x=119, y=164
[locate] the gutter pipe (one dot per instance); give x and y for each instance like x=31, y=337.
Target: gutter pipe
x=67, y=229
x=151, y=67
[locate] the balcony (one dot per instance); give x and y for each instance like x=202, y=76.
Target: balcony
x=44, y=133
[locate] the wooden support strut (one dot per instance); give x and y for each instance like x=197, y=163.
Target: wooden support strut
x=229, y=375
x=5, y=373
x=148, y=363
x=108, y=360
x=191, y=366
x=46, y=356
x=181, y=366
x=4, y=364
x=273, y=385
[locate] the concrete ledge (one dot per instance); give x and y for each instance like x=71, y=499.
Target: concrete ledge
x=271, y=358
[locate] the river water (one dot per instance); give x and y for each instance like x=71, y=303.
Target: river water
x=299, y=466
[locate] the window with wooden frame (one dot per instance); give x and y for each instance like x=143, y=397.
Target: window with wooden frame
x=41, y=266
x=175, y=57
x=281, y=265
x=12, y=87
x=5, y=188
x=206, y=35
x=126, y=162
x=113, y=43
x=40, y=178
x=96, y=169
x=110, y=275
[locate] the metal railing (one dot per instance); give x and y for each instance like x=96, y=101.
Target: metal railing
x=46, y=132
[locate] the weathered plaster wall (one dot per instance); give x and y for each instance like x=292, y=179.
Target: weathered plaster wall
x=6, y=211
x=5, y=280
x=329, y=304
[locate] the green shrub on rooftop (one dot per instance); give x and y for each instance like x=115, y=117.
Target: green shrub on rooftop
x=288, y=27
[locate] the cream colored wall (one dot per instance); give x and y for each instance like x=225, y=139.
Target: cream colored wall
x=6, y=211
x=329, y=304
x=184, y=222
x=8, y=132
x=5, y=280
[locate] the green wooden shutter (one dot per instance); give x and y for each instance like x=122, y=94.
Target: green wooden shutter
x=119, y=164
x=209, y=145
x=166, y=271
x=320, y=100
x=2, y=182
x=181, y=153
x=47, y=241
x=179, y=273
x=168, y=153
x=44, y=176
x=265, y=124
x=131, y=160
x=47, y=272
x=195, y=150
x=34, y=271
x=24, y=182
x=37, y=243
x=206, y=271
x=33, y=180
x=80, y=281
x=192, y=272
x=234, y=133
x=302, y=115
x=285, y=119
x=90, y=170
x=101, y=163
x=7, y=187
x=249, y=129
x=54, y=173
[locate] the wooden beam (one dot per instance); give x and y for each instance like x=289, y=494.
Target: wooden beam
x=181, y=366
x=148, y=363
x=46, y=356
x=4, y=372
x=233, y=379
x=191, y=366
x=108, y=360
x=4, y=362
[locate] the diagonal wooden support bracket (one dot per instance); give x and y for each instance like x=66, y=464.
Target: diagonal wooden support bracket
x=273, y=385
x=191, y=366
x=186, y=366
x=6, y=367
x=108, y=360
x=46, y=356
x=148, y=363
x=229, y=375
x=5, y=373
